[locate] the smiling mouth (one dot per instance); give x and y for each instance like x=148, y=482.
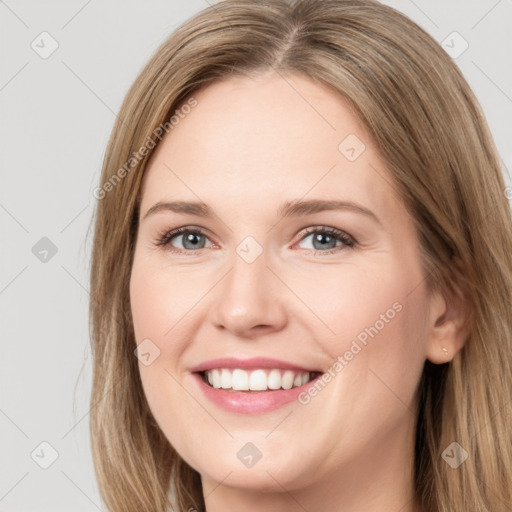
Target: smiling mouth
x=257, y=380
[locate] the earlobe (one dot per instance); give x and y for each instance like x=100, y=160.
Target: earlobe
x=448, y=327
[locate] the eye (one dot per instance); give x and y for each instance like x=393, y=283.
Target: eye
x=328, y=240
x=192, y=239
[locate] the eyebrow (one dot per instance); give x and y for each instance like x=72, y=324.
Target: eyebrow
x=294, y=208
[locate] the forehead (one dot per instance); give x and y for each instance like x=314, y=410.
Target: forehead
x=264, y=140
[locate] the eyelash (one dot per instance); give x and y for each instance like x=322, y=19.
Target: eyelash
x=164, y=239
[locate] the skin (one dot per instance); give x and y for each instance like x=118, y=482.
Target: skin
x=249, y=145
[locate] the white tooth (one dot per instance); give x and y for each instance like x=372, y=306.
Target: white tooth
x=287, y=380
x=298, y=381
x=305, y=378
x=225, y=378
x=274, y=379
x=210, y=378
x=258, y=380
x=216, y=378
x=240, y=380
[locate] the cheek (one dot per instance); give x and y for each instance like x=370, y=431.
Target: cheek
x=376, y=319
x=150, y=299
x=161, y=302
x=158, y=304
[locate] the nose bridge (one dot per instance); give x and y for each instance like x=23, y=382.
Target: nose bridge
x=249, y=293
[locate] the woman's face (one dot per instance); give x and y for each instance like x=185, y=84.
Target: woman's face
x=333, y=290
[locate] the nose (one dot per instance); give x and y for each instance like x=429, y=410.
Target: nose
x=249, y=300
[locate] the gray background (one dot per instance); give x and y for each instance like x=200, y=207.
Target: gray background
x=56, y=116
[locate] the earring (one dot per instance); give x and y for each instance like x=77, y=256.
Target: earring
x=445, y=350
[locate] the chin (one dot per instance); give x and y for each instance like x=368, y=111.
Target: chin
x=271, y=471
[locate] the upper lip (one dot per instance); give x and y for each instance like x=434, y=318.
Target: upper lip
x=252, y=363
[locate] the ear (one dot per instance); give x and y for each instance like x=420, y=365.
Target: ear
x=448, y=326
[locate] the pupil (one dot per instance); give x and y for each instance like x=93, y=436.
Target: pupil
x=322, y=238
x=192, y=239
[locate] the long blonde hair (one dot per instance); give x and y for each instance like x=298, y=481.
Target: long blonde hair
x=433, y=136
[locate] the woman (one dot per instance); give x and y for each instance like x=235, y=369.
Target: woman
x=300, y=276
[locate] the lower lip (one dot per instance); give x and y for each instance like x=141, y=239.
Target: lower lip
x=250, y=402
